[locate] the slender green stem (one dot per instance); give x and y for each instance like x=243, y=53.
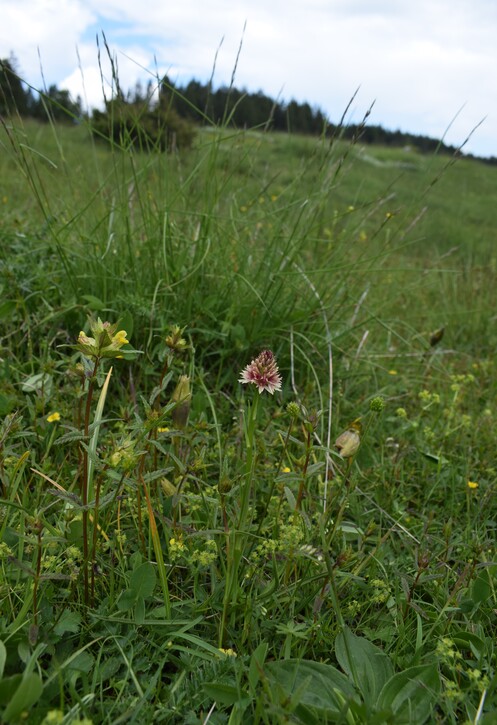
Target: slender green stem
x=84, y=481
x=302, y=487
x=236, y=539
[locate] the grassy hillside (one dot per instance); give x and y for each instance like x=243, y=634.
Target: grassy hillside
x=177, y=547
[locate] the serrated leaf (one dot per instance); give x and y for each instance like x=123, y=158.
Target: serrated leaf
x=69, y=622
x=73, y=435
x=290, y=498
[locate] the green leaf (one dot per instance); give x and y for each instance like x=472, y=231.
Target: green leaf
x=69, y=622
x=290, y=498
x=256, y=664
x=82, y=662
x=26, y=694
x=481, y=589
x=365, y=663
x=143, y=580
x=470, y=641
x=38, y=383
x=7, y=308
x=94, y=303
x=3, y=658
x=126, y=601
x=8, y=685
x=410, y=694
x=225, y=694
x=140, y=610
x=326, y=687
x=7, y=404
x=126, y=323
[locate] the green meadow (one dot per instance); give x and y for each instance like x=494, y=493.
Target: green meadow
x=178, y=547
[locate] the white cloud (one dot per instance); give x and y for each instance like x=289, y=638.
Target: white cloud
x=420, y=61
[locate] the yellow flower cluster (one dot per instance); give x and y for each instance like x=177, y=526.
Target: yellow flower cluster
x=176, y=548
x=106, y=342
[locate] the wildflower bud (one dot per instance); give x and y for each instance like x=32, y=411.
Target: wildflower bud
x=106, y=341
x=423, y=560
x=311, y=422
x=182, y=397
x=377, y=404
x=124, y=456
x=348, y=442
x=436, y=336
x=168, y=487
x=224, y=485
x=174, y=341
x=293, y=409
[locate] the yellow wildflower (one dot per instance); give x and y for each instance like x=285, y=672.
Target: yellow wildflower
x=53, y=417
x=473, y=485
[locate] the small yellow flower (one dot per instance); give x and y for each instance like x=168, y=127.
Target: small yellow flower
x=119, y=338
x=285, y=469
x=392, y=372
x=473, y=485
x=106, y=342
x=228, y=652
x=163, y=430
x=53, y=417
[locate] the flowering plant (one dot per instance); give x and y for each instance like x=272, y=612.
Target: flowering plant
x=263, y=372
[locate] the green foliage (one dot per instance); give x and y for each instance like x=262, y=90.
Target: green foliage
x=215, y=571
x=135, y=125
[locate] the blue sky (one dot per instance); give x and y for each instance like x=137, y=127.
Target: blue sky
x=430, y=66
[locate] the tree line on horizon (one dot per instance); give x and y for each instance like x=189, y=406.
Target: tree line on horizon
x=169, y=118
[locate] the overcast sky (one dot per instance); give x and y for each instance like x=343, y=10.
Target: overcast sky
x=427, y=64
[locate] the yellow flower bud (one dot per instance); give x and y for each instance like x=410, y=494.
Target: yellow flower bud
x=182, y=397
x=168, y=487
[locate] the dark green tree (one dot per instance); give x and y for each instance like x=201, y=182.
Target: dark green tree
x=13, y=96
x=56, y=104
